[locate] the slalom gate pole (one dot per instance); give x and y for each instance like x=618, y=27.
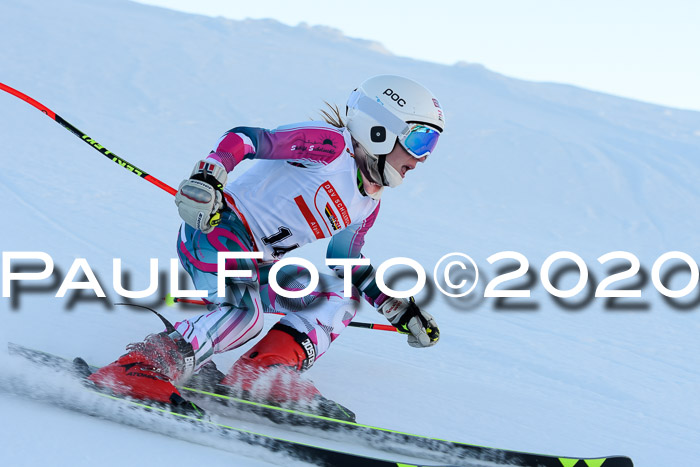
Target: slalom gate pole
x=170, y=300
x=94, y=144
x=133, y=169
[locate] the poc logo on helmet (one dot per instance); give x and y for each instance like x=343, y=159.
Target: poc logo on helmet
x=395, y=97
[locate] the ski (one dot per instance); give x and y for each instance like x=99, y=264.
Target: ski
x=439, y=450
x=395, y=441
x=194, y=426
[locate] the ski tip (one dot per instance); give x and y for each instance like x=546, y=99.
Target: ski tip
x=81, y=367
x=169, y=300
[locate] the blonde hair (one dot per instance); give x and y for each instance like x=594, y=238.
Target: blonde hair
x=332, y=115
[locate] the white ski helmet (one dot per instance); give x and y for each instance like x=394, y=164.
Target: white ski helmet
x=387, y=108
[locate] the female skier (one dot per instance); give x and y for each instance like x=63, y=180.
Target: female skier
x=314, y=180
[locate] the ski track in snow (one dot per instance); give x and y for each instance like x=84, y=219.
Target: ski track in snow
x=31, y=209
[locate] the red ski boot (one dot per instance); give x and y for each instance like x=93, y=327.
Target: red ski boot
x=270, y=373
x=148, y=370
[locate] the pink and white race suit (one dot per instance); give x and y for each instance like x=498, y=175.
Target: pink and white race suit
x=305, y=186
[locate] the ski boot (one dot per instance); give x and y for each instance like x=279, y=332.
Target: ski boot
x=148, y=371
x=207, y=379
x=269, y=373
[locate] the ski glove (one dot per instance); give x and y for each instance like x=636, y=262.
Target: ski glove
x=200, y=198
x=409, y=319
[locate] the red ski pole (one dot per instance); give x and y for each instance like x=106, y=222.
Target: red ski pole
x=94, y=144
x=170, y=300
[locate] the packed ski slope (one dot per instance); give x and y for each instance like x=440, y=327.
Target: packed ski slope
x=530, y=167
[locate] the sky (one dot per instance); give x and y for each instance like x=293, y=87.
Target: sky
x=646, y=50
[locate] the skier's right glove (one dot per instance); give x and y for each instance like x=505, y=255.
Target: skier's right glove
x=200, y=198
x=409, y=319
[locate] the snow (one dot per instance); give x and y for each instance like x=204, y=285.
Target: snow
x=529, y=167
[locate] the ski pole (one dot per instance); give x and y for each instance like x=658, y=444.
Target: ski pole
x=94, y=144
x=170, y=300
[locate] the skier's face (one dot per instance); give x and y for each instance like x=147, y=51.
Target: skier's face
x=401, y=160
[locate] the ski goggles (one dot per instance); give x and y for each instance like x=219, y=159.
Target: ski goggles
x=420, y=140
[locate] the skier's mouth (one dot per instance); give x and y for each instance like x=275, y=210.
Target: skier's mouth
x=404, y=170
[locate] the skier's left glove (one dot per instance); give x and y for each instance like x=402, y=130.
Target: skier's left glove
x=200, y=198
x=409, y=319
